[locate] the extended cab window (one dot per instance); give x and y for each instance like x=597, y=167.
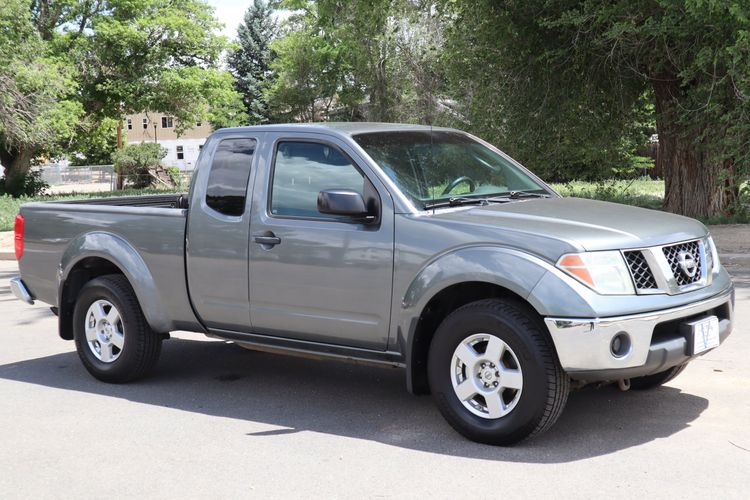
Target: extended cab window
x=230, y=172
x=302, y=170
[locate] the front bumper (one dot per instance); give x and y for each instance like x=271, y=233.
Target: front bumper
x=656, y=340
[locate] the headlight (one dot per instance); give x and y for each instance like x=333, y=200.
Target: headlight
x=714, y=255
x=604, y=272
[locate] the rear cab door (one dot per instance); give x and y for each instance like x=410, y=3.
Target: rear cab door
x=218, y=230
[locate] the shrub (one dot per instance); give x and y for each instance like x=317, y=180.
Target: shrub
x=135, y=160
x=30, y=184
x=174, y=173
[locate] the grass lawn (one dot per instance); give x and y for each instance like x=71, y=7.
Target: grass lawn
x=641, y=192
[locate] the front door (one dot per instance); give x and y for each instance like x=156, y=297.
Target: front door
x=313, y=276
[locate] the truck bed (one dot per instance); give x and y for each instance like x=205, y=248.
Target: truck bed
x=153, y=225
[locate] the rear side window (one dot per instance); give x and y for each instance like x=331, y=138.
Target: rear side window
x=230, y=172
x=302, y=170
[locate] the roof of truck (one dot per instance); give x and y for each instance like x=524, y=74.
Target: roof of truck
x=347, y=128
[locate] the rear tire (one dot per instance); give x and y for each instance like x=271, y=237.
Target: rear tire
x=494, y=373
x=113, y=338
x=657, y=379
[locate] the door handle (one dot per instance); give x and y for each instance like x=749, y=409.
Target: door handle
x=269, y=239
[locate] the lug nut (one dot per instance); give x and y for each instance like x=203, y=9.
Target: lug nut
x=497, y=374
x=484, y=364
x=495, y=384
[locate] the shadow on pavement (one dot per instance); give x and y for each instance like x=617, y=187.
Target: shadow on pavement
x=362, y=402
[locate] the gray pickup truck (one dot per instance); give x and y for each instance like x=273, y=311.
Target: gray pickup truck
x=397, y=245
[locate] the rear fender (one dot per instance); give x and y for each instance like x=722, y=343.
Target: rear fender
x=119, y=252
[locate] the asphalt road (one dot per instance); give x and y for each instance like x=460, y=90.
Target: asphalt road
x=218, y=421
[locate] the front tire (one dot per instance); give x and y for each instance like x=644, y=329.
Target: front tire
x=494, y=373
x=113, y=338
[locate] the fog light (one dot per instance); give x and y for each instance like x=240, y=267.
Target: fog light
x=620, y=345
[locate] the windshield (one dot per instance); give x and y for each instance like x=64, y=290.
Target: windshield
x=433, y=166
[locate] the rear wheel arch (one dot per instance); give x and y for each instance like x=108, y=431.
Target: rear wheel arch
x=99, y=253
x=81, y=273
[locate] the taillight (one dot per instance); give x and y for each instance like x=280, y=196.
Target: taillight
x=19, y=227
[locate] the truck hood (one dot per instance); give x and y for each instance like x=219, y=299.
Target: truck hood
x=584, y=224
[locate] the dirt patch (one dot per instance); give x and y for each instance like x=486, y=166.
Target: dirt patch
x=6, y=239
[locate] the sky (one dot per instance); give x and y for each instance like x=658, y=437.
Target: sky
x=231, y=12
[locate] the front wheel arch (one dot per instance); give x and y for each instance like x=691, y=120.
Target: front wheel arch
x=440, y=306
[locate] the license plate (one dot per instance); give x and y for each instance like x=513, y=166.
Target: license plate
x=705, y=334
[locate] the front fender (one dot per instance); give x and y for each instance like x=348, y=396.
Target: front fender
x=119, y=252
x=511, y=269
x=514, y=270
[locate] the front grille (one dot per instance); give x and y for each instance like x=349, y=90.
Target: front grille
x=642, y=275
x=684, y=259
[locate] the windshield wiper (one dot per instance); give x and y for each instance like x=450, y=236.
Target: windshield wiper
x=514, y=195
x=456, y=201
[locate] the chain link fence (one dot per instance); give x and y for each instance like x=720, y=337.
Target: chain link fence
x=90, y=178
x=83, y=179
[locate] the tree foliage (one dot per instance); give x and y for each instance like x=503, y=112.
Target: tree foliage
x=96, y=145
x=250, y=60
x=564, y=72
x=37, y=94
x=107, y=58
x=379, y=59
x=308, y=74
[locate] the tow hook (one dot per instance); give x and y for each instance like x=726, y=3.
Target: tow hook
x=624, y=384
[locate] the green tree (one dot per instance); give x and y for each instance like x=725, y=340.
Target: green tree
x=124, y=56
x=38, y=109
x=387, y=55
x=95, y=142
x=308, y=75
x=145, y=55
x=556, y=74
x=361, y=29
x=250, y=61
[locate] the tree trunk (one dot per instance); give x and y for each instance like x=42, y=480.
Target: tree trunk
x=119, y=177
x=16, y=163
x=693, y=184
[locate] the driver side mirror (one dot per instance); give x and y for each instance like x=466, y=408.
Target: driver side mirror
x=344, y=202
